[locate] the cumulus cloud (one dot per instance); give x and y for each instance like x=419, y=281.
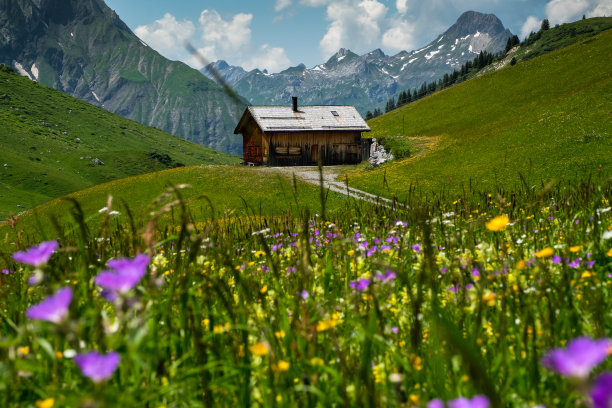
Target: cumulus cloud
x=215, y=38
x=354, y=24
x=532, y=24
x=399, y=37
x=402, y=6
x=280, y=5
x=165, y=34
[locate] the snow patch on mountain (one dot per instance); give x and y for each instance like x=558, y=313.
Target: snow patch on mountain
x=34, y=71
x=21, y=70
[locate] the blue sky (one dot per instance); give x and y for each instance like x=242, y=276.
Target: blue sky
x=276, y=34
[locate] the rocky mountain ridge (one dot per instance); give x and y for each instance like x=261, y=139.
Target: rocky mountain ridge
x=82, y=48
x=367, y=81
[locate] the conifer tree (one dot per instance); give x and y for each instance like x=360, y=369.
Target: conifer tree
x=545, y=25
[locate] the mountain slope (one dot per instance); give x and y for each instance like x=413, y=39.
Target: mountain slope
x=53, y=144
x=369, y=80
x=544, y=119
x=84, y=49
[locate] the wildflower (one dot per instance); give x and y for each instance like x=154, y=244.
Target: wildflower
x=609, y=253
x=280, y=334
x=259, y=254
x=263, y=231
x=607, y=234
x=23, y=351
x=282, y=365
x=98, y=367
x=37, y=255
x=498, y=223
x=53, y=309
x=579, y=358
x=304, y=294
x=127, y=273
x=326, y=325
x=479, y=401
x=360, y=285
x=435, y=403
x=556, y=260
x=545, y=253
x=259, y=349
x=416, y=247
x=46, y=403
x=575, y=263
x=601, y=393
x=317, y=361
x=6, y=271
x=575, y=248
x=387, y=277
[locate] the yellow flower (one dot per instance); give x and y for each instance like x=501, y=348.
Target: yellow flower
x=498, y=223
x=316, y=361
x=586, y=274
x=325, y=325
x=259, y=349
x=575, y=248
x=282, y=365
x=609, y=253
x=259, y=254
x=46, y=403
x=280, y=334
x=521, y=265
x=350, y=253
x=489, y=299
x=264, y=289
x=545, y=253
x=23, y=351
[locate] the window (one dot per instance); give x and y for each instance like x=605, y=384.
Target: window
x=335, y=113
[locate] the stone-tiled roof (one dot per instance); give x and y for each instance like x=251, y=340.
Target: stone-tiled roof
x=307, y=118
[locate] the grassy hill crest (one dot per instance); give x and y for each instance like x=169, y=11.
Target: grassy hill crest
x=50, y=142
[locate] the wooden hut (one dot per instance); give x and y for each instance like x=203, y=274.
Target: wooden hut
x=303, y=135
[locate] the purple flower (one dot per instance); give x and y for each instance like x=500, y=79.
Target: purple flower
x=601, y=393
x=436, y=403
x=37, y=255
x=97, y=366
x=360, y=285
x=575, y=263
x=479, y=401
x=276, y=247
x=476, y=272
x=304, y=294
x=371, y=251
x=443, y=270
x=53, y=309
x=127, y=273
x=387, y=277
x=579, y=358
x=589, y=264
x=556, y=260
x=416, y=247
x=6, y=271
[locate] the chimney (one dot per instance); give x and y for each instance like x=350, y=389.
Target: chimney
x=295, y=105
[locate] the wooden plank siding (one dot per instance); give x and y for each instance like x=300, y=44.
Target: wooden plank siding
x=305, y=148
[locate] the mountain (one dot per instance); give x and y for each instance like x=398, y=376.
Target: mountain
x=82, y=48
x=367, y=81
x=53, y=144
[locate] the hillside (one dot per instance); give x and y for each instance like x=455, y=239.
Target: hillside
x=84, y=49
x=543, y=119
x=245, y=192
x=49, y=142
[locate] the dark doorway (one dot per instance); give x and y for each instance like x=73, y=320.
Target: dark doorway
x=314, y=152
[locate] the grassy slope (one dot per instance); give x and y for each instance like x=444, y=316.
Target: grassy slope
x=266, y=192
x=547, y=118
x=44, y=159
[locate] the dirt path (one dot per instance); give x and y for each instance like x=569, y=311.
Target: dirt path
x=310, y=174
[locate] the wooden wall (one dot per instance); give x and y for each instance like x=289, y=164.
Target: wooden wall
x=305, y=148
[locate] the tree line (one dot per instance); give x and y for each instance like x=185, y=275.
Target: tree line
x=466, y=71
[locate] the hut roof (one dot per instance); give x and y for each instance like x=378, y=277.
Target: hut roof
x=306, y=118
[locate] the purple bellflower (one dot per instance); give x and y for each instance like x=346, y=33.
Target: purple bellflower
x=98, y=367
x=579, y=358
x=36, y=255
x=478, y=401
x=127, y=273
x=52, y=309
x=360, y=285
x=601, y=393
x=436, y=403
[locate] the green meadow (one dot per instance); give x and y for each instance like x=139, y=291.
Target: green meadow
x=541, y=120
x=50, y=141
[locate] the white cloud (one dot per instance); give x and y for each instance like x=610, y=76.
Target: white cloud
x=402, y=6
x=399, y=37
x=214, y=38
x=355, y=24
x=563, y=11
x=532, y=24
x=603, y=9
x=167, y=35
x=314, y=3
x=281, y=5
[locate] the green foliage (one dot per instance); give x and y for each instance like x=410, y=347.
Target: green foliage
x=49, y=141
x=516, y=125
x=299, y=311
